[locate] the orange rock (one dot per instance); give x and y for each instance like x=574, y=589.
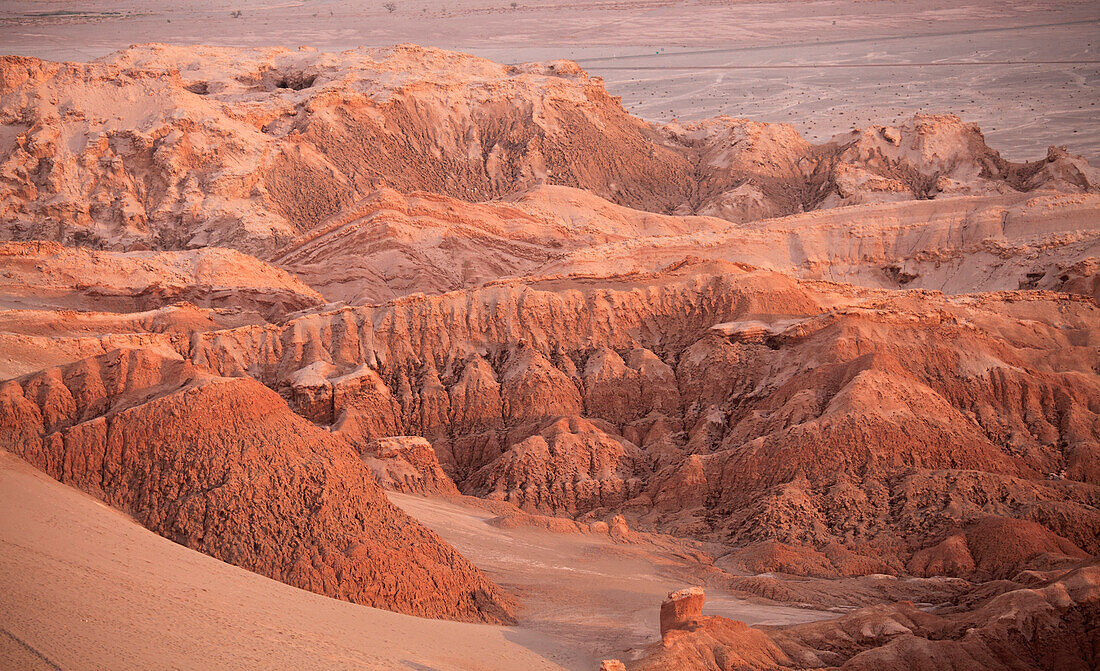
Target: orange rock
x=681, y=609
x=408, y=464
x=223, y=466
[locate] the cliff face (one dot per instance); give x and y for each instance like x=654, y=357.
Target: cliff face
x=223, y=466
x=729, y=405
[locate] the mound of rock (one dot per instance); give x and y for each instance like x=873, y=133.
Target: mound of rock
x=223, y=466
x=569, y=467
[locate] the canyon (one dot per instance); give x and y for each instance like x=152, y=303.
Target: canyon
x=364, y=323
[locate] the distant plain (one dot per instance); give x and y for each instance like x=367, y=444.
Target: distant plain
x=1026, y=72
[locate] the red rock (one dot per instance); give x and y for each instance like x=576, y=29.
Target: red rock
x=223, y=466
x=570, y=359
x=408, y=464
x=681, y=609
x=882, y=427
x=570, y=466
x=1044, y=627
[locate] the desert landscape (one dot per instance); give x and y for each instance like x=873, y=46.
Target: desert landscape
x=620, y=336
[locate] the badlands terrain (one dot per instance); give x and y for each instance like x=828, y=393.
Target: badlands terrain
x=456, y=364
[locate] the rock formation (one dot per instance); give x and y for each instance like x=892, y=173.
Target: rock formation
x=825, y=438
x=308, y=159
x=569, y=467
x=222, y=466
x=1048, y=625
x=681, y=608
x=408, y=464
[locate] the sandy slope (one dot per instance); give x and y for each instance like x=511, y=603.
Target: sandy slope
x=47, y=275
x=83, y=586
x=105, y=591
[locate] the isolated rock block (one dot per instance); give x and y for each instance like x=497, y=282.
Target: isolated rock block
x=681, y=608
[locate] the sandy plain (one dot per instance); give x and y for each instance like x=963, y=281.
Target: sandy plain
x=1026, y=72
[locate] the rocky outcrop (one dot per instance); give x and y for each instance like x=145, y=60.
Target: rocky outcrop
x=867, y=425
x=996, y=548
x=254, y=148
x=408, y=464
x=249, y=148
x=681, y=609
x=568, y=467
x=391, y=245
x=752, y=170
x=1045, y=626
x=223, y=466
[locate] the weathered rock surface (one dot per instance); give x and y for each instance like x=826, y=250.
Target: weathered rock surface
x=388, y=244
x=1050, y=625
x=408, y=464
x=223, y=466
x=568, y=467
x=956, y=245
x=681, y=608
x=634, y=327
x=869, y=425
x=251, y=148
x=47, y=275
x=272, y=141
